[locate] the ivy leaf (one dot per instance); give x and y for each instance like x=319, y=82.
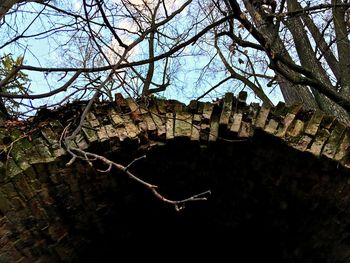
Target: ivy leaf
x=18, y=84
x=6, y=61
x=19, y=61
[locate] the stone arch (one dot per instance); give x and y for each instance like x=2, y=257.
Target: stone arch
x=280, y=164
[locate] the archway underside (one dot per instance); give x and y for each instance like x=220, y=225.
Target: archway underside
x=275, y=174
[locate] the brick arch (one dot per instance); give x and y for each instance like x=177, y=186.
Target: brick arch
x=46, y=208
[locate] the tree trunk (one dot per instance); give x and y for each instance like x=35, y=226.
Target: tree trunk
x=308, y=60
x=6, y=5
x=292, y=93
x=343, y=48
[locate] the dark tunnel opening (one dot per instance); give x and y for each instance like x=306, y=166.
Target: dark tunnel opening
x=268, y=202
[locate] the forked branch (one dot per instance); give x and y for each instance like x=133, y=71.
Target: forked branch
x=91, y=157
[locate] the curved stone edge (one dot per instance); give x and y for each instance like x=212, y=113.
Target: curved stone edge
x=163, y=120
x=24, y=191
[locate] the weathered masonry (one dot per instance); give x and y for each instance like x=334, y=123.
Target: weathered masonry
x=279, y=179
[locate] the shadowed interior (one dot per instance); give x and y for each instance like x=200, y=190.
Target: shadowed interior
x=268, y=202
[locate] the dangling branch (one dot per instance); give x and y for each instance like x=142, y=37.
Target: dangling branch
x=91, y=157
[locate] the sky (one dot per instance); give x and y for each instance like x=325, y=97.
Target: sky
x=39, y=52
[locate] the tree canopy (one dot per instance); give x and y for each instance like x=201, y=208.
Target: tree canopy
x=58, y=51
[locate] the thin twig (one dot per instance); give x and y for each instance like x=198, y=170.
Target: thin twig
x=133, y=161
x=178, y=204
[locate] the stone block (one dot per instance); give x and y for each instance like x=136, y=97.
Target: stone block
x=262, y=117
x=159, y=122
x=296, y=129
x=90, y=134
x=303, y=143
x=271, y=126
x=214, y=128
x=319, y=141
x=334, y=140
x=170, y=121
x=286, y=122
x=92, y=120
x=207, y=112
x=314, y=123
x=226, y=109
x=131, y=129
x=183, y=124
x=344, y=147
x=237, y=120
x=245, y=130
